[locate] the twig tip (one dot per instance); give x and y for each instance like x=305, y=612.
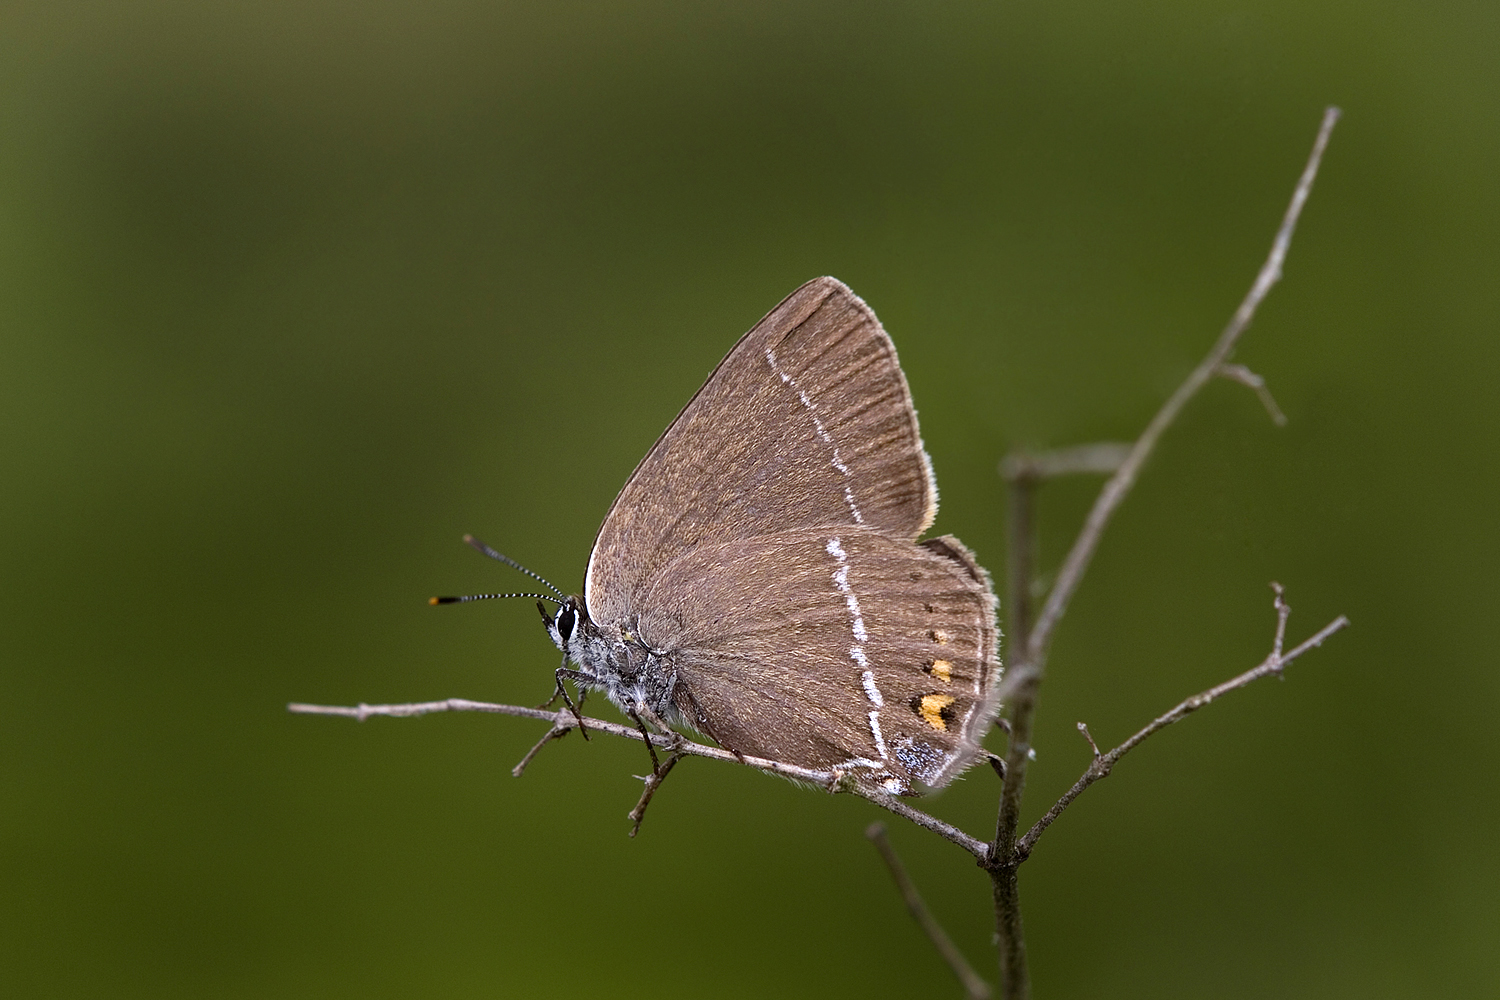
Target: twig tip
x=1084, y=729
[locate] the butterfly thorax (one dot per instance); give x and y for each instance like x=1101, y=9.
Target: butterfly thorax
x=616, y=660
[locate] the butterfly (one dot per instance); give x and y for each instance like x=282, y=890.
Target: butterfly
x=760, y=579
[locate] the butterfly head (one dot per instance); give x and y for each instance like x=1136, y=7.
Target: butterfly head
x=566, y=627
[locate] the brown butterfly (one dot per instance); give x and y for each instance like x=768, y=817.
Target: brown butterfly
x=759, y=578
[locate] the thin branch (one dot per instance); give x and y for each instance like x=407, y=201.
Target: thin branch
x=1244, y=376
x=1005, y=855
x=1119, y=485
x=833, y=781
x=1084, y=731
x=1099, y=458
x=1020, y=692
x=890, y=803
x=557, y=732
x=1102, y=764
x=974, y=987
x=1032, y=647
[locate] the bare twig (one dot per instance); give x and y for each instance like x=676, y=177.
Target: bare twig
x=1246, y=377
x=1084, y=730
x=675, y=744
x=1023, y=473
x=1020, y=690
x=1100, y=458
x=1102, y=764
x=974, y=987
x=557, y=732
x=1119, y=485
x=953, y=834
x=653, y=782
x=1030, y=649
x=1030, y=642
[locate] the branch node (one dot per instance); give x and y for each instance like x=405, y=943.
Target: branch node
x=1101, y=765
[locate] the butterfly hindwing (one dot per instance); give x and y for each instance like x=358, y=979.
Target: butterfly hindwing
x=834, y=647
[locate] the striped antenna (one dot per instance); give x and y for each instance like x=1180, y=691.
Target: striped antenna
x=484, y=549
x=487, y=597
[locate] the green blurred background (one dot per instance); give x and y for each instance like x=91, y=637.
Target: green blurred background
x=295, y=294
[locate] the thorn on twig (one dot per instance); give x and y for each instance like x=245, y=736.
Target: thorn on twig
x=997, y=763
x=1283, y=612
x=1244, y=376
x=1084, y=729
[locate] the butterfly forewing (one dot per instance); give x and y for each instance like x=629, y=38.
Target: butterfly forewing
x=834, y=647
x=812, y=425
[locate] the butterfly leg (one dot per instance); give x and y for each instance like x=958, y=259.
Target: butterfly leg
x=661, y=724
x=559, y=691
x=659, y=771
x=698, y=719
x=635, y=717
x=578, y=677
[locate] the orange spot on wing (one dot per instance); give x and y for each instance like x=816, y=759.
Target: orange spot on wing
x=931, y=710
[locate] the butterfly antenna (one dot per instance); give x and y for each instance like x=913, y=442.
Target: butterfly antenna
x=487, y=597
x=484, y=549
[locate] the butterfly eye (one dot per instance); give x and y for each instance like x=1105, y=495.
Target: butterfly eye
x=566, y=618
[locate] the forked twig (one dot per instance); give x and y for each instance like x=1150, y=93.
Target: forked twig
x=653, y=782
x=1030, y=644
x=1103, y=763
x=1031, y=641
x=1120, y=483
x=974, y=987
